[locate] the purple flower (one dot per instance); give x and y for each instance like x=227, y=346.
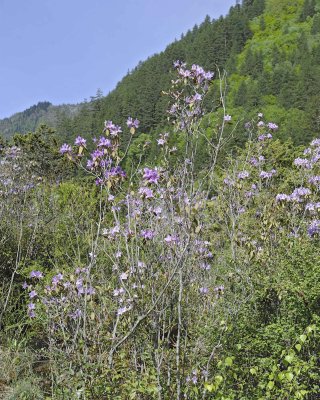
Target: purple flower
x=90, y=164
x=315, y=180
x=157, y=210
x=97, y=154
x=104, y=142
x=208, y=75
x=117, y=292
x=302, y=162
x=146, y=192
x=267, y=175
x=147, y=234
x=124, y=276
x=197, y=69
x=205, y=266
x=316, y=158
x=122, y=310
x=171, y=239
x=114, y=130
x=151, y=175
x=315, y=142
x=77, y=314
x=185, y=73
x=263, y=137
x=227, y=118
x=32, y=294
x=313, y=206
x=108, y=125
x=243, y=175
x=65, y=148
x=31, y=308
x=272, y=126
x=80, y=141
x=36, y=274
x=228, y=182
x=115, y=171
x=282, y=197
x=300, y=192
x=25, y=285
x=132, y=123
x=118, y=254
x=161, y=142
x=204, y=290
x=253, y=161
x=57, y=278
x=173, y=109
x=113, y=231
x=197, y=97
x=90, y=291
x=314, y=228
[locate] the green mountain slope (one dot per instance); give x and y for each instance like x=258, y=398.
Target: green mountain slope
x=211, y=44
x=278, y=71
x=30, y=119
x=270, y=50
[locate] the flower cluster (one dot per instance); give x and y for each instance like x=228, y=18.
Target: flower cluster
x=308, y=166
x=187, y=94
x=65, y=294
x=103, y=161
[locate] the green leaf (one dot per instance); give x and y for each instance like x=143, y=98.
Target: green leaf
x=270, y=385
x=289, y=376
x=298, y=346
x=289, y=358
x=253, y=371
x=209, y=387
x=228, y=361
x=303, y=338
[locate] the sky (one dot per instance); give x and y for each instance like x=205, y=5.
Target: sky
x=62, y=51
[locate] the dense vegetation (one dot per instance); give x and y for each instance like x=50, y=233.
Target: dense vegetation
x=183, y=262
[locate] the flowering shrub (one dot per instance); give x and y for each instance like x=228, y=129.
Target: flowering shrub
x=152, y=274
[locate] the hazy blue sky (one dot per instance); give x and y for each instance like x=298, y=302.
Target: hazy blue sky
x=62, y=51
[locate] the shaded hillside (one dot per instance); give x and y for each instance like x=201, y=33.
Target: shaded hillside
x=30, y=119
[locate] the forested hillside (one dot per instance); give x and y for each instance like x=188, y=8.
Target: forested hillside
x=139, y=93
x=42, y=113
x=270, y=53
x=163, y=243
